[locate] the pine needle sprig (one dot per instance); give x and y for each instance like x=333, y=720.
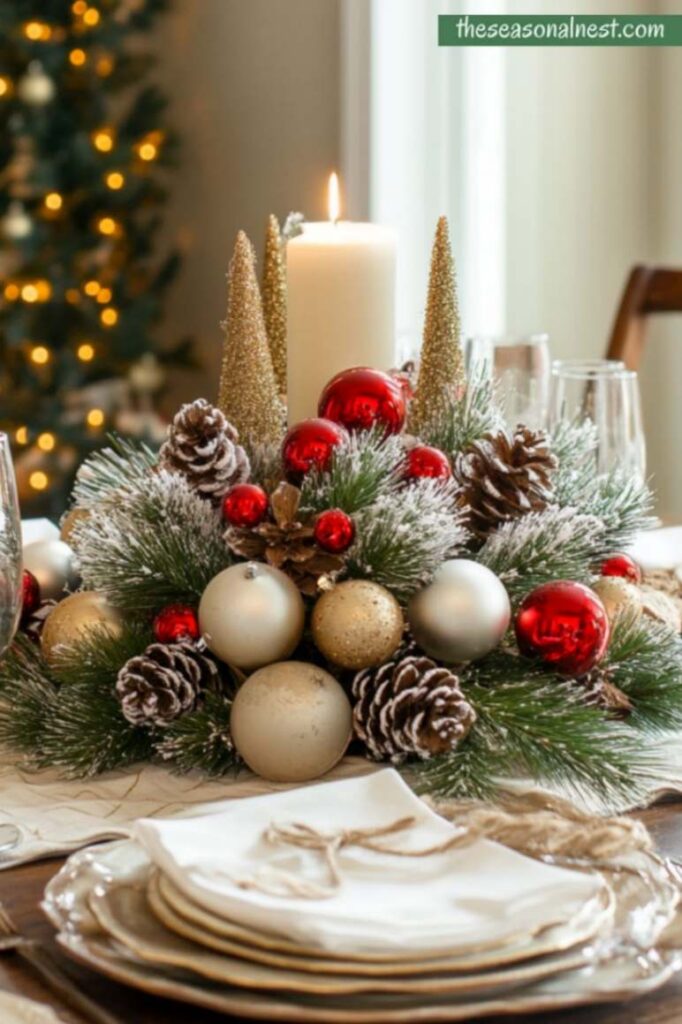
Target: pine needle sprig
x=471, y=772
x=27, y=697
x=363, y=470
x=404, y=537
x=468, y=417
x=160, y=543
x=95, y=660
x=645, y=660
x=574, y=445
x=541, y=547
x=546, y=733
x=120, y=467
x=201, y=741
x=624, y=504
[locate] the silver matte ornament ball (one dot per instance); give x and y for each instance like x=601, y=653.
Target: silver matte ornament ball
x=53, y=564
x=462, y=615
x=291, y=721
x=251, y=615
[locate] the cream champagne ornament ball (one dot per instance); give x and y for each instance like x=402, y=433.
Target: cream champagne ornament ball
x=53, y=564
x=251, y=615
x=74, y=618
x=358, y=624
x=36, y=87
x=618, y=596
x=291, y=721
x=462, y=614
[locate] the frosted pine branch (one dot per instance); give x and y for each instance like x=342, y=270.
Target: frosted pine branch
x=364, y=470
x=469, y=417
x=543, y=546
x=574, y=445
x=159, y=543
x=119, y=467
x=405, y=536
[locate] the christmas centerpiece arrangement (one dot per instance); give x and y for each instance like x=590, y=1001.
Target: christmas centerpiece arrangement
x=401, y=571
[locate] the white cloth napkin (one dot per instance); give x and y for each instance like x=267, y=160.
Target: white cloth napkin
x=471, y=895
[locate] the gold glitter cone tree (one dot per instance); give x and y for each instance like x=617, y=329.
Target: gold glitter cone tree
x=441, y=371
x=274, y=291
x=248, y=393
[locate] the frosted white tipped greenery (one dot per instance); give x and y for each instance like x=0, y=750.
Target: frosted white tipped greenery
x=405, y=536
x=466, y=417
x=159, y=543
x=365, y=468
x=121, y=466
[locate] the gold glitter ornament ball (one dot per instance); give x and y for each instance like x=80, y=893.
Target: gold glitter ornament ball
x=73, y=618
x=618, y=596
x=358, y=624
x=291, y=721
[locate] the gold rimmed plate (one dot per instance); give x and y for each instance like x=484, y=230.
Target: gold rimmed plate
x=179, y=915
x=123, y=912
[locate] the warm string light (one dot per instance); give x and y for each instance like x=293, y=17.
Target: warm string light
x=91, y=288
x=79, y=7
x=12, y=291
x=103, y=139
x=108, y=226
x=78, y=57
x=104, y=66
x=53, y=201
x=148, y=147
x=40, y=355
x=28, y=291
x=109, y=317
x=21, y=435
x=73, y=296
x=46, y=442
x=5, y=86
x=86, y=352
x=37, y=31
x=38, y=480
x=115, y=180
x=95, y=418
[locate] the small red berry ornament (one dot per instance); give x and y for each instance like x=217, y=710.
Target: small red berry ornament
x=425, y=461
x=30, y=594
x=174, y=622
x=565, y=625
x=310, y=445
x=622, y=565
x=334, y=530
x=361, y=397
x=245, y=505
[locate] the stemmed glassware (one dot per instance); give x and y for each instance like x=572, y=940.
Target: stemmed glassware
x=605, y=393
x=10, y=549
x=520, y=369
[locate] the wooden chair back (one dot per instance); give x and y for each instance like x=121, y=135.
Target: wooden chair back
x=649, y=290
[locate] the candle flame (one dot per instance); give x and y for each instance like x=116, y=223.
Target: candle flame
x=334, y=198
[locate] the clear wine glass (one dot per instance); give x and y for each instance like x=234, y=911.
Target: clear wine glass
x=10, y=548
x=607, y=394
x=520, y=368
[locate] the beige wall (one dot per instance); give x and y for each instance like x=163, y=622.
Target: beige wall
x=255, y=97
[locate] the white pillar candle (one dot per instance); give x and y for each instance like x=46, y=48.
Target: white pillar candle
x=341, y=305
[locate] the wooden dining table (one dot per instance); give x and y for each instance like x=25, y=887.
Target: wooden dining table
x=21, y=890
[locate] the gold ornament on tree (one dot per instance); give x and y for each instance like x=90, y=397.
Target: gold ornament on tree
x=274, y=293
x=248, y=393
x=441, y=370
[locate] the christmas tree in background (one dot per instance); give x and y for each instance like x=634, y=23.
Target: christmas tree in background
x=82, y=140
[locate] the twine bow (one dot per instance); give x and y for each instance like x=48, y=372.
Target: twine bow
x=275, y=882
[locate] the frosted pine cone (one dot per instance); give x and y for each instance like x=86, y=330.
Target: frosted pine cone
x=165, y=682
x=410, y=706
x=502, y=478
x=286, y=543
x=202, y=446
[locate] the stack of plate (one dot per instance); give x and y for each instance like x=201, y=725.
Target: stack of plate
x=473, y=930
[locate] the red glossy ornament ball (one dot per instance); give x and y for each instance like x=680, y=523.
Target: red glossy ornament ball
x=622, y=565
x=309, y=445
x=30, y=594
x=245, y=505
x=174, y=622
x=565, y=625
x=425, y=461
x=361, y=397
x=334, y=530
